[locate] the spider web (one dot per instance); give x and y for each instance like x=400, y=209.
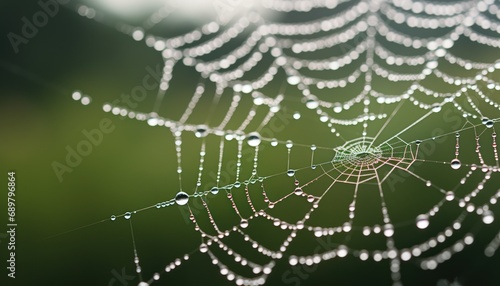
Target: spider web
x=386, y=86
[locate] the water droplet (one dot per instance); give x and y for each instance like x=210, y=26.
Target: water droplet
x=274, y=142
x=313, y=147
x=388, y=230
x=274, y=108
x=203, y=248
x=313, y=167
x=153, y=121
x=337, y=108
x=181, y=198
x=488, y=217
x=450, y=196
x=253, y=139
x=290, y=173
x=436, y=107
x=293, y=260
x=289, y=144
x=244, y=223
x=229, y=136
x=418, y=142
x=422, y=221
x=489, y=123
x=293, y=80
x=298, y=191
x=237, y=184
x=300, y=224
x=296, y=115
x=113, y=217
x=258, y=100
x=127, y=215
x=201, y=131
x=310, y=198
x=455, y=164
x=342, y=251
x=312, y=104
x=214, y=190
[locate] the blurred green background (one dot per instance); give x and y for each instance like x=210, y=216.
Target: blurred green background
x=135, y=165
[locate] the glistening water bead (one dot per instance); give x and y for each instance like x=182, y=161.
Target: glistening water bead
x=253, y=139
x=298, y=191
x=201, y=131
x=214, y=191
x=181, y=198
x=436, y=107
x=455, y=164
x=244, y=223
x=488, y=217
x=290, y=173
x=422, y=221
x=450, y=196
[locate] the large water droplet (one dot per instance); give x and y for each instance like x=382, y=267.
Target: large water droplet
x=290, y=173
x=214, y=190
x=181, y=198
x=488, y=217
x=127, y=215
x=312, y=104
x=293, y=80
x=342, y=251
x=422, y=221
x=436, y=107
x=450, y=196
x=244, y=223
x=489, y=123
x=113, y=217
x=289, y=144
x=300, y=224
x=253, y=139
x=201, y=131
x=274, y=142
x=153, y=121
x=310, y=198
x=337, y=108
x=298, y=191
x=456, y=164
x=203, y=248
x=388, y=230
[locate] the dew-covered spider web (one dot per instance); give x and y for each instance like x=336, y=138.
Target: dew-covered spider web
x=367, y=124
